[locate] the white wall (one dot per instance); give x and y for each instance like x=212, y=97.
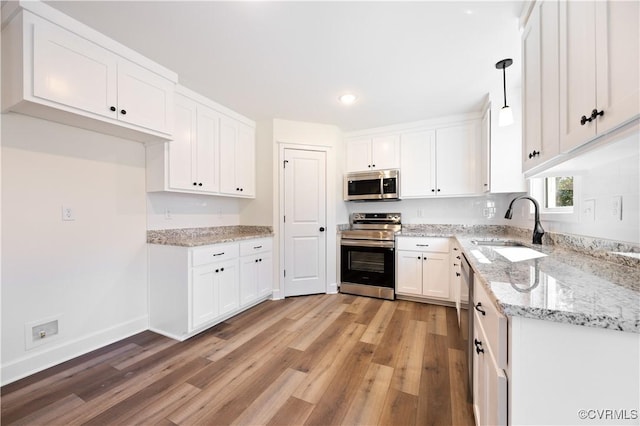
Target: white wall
x=259, y=212
x=482, y=210
x=90, y=273
x=170, y=210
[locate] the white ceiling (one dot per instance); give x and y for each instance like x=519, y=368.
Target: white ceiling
x=406, y=61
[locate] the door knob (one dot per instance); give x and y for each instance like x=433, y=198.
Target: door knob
x=322, y=229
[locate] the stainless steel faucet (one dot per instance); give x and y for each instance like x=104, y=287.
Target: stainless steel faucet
x=538, y=232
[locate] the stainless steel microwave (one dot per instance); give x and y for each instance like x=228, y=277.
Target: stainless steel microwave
x=374, y=185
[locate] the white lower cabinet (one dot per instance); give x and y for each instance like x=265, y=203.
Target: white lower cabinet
x=191, y=289
x=423, y=268
x=256, y=267
x=489, y=361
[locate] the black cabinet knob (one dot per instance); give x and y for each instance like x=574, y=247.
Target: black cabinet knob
x=241, y=189
x=457, y=274
x=369, y=166
x=322, y=229
x=438, y=189
x=194, y=183
x=123, y=112
x=112, y=108
x=217, y=270
x=373, y=165
x=200, y=184
x=458, y=257
x=256, y=260
x=259, y=260
x=221, y=269
x=433, y=190
x=419, y=258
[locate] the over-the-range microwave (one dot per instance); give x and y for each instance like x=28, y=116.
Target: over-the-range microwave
x=381, y=185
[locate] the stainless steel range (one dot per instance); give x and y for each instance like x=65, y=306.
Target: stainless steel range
x=367, y=255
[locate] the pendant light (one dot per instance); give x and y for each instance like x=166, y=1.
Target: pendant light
x=506, y=114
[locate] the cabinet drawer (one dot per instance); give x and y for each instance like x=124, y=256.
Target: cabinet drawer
x=423, y=244
x=255, y=246
x=215, y=253
x=492, y=322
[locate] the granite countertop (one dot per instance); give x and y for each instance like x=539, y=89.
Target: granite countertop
x=193, y=237
x=566, y=285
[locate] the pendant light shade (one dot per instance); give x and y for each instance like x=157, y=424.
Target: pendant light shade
x=506, y=114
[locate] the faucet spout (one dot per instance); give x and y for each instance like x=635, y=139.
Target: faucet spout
x=538, y=232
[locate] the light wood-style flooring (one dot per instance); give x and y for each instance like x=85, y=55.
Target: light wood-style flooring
x=317, y=360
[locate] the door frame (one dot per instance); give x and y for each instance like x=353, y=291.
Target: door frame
x=330, y=215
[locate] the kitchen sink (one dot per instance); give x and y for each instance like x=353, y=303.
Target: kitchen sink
x=499, y=243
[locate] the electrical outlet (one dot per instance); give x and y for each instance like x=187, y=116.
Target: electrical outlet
x=589, y=210
x=42, y=331
x=67, y=213
x=616, y=207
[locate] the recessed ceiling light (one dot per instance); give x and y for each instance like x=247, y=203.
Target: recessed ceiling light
x=348, y=98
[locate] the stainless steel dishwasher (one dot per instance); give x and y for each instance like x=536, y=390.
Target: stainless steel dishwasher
x=467, y=284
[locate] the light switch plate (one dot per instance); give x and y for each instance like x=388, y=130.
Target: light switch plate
x=616, y=207
x=589, y=210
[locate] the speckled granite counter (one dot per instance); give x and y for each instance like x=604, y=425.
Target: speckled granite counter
x=595, y=290
x=193, y=237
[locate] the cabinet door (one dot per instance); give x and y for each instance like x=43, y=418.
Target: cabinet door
x=484, y=180
x=145, y=97
x=359, y=155
x=72, y=71
x=457, y=159
x=237, y=162
x=206, y=152
x=181, y=148
x=436, y=274
x=409, y=273
x=245, y=160
x=229, y=287
x=577, y=72
x=385, y=152
x=541, y=86
x=204, y=296
x=265, y=274
x=479, y=380
x=496, y=392
x=618, y=62
x=417, y=162
x=248, y=279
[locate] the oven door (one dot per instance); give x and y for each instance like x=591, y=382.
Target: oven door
x=367, y=262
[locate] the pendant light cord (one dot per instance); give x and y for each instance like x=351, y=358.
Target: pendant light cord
x=504, y=85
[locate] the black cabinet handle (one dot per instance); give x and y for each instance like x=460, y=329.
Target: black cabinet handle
x=257, y=247
x=112, y=108
x=478, y=344
x=533, y=154
x=456, y=249
x=218, y=254
x=123, y=112
x=458, y=257
x=457, y=274
x=479, y=309
x=322, y=229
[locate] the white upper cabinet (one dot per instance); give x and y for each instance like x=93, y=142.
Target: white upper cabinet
x=237, y=158
x=373, y=153
x=458, y=160
x=485, y=152
x=417, y=164
x=445, y=161
x=211, y=153
x=599, y=68
x=54, y=73
x=541, y=127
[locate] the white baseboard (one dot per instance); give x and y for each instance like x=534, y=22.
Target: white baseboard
x=48, y=357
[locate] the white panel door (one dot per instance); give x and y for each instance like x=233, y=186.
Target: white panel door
x=304, y=222
x=72, y=71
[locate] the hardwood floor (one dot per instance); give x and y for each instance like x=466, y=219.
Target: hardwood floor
x=316, y=360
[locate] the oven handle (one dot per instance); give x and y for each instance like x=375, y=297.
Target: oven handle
x=367, y=243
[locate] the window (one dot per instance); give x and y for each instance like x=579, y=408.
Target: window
x=558, y=192
x=555, y=194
